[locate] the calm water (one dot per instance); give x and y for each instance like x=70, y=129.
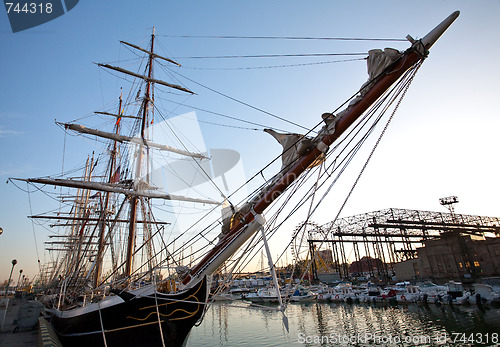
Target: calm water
x=324, y=324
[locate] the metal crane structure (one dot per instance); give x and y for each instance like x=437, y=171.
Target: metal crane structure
x=392, y=235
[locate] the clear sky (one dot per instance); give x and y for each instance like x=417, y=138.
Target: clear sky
x=444, y=140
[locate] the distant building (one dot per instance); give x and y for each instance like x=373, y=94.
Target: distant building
x=407, y=270
x=366, y=266
x=455, y=256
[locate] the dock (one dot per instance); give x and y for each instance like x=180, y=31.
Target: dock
x=23, y=325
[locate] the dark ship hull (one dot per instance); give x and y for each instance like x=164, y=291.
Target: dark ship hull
x=133, y=320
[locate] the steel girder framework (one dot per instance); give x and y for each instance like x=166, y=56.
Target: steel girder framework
x=392, y=235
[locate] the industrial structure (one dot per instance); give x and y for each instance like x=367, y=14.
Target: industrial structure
x=410, y=244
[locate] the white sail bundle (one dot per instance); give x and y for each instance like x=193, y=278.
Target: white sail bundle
x=122, y=138
x=114, y=188
x=378, y=60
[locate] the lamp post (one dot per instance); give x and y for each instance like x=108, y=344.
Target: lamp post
x=19, y=278
x=14, y=262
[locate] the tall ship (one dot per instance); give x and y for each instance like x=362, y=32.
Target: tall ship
x=118, y=280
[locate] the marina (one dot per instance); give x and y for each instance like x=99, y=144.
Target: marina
x=321, y=323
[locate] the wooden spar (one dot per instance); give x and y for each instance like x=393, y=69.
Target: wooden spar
x=241, y=232
x=114, y=188
x=70, y=242
x=94, y=220
x=147, y=79
x=116, y=115
x=122, y=138
x=154, y=55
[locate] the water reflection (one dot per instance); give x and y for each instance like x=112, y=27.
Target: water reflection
x=322, y=324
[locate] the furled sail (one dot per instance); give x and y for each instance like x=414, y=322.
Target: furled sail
x=112, y=188
x=378, y=60
x=122, y=138
x=89, y=219
x=291, y=144
x=294, y=146
x=146, y=78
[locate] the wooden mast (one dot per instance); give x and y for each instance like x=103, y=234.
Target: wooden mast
x=104, y=212
x=134, y=199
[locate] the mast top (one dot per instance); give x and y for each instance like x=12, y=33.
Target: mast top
x=152, y=54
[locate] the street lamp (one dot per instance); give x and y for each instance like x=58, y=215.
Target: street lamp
x=1, y=231
x=14, y=262
x=19, y=278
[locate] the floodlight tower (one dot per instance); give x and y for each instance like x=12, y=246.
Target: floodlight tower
x=448, y=202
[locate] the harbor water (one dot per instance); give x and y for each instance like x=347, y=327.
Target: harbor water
x=333, y=324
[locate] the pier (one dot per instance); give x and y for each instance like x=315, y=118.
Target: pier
x=11, y=334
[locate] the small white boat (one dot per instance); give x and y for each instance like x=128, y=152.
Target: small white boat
x=343, y=292
x=266, y=295
x=301, y=295
x=409, y=294
x=484, y=294
x=431, y=292
x=372, y=293
x=456, y=294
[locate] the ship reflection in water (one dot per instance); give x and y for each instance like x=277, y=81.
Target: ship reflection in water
x=321, y=324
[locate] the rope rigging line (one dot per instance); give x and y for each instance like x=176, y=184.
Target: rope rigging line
x=283, y=38
x=404, y=85
x=298, y=185
x=292, y=163
x=276, y=55
x=221, y=115
x=33, y=228
x=315, y=187
x=256, y=241
x=404, y=88
x=206, y=174
x=244, y=103
x=319, y=124
x=312, y=201
x=312, y=130
x=270, y=66
x=228, y=126
x=255, y=245
x=190, y=242
x=355, y=149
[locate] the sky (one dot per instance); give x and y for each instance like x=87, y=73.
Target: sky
x=442, y=142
